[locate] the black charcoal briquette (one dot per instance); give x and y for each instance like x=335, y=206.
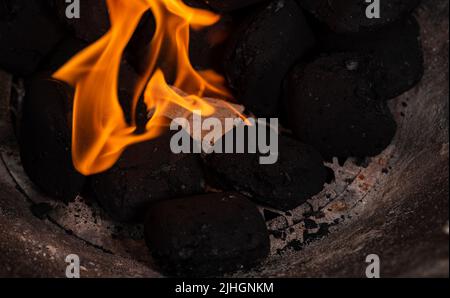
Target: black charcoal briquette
x=147, y=172
x=332, y=105
x=206, y=236
x=350, y=16
x=297, y=175
x=263, y=52
x=45, y=138
x=397, y=47
x=27, y=35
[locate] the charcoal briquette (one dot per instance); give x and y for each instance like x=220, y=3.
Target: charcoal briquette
x=263, y=52
x=206, y=236
x=27, y=35
x=350, y=16
x=45, y=138
x=398, y=48
x=332, y=105
x=147, y=172
x=298, y=174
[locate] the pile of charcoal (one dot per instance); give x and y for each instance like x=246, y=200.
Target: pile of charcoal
x=322, y=67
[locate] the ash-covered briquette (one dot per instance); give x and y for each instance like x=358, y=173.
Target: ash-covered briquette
x=45, y=138
x=93, y=22
x=350, y=16
x=230, y=5
x=206, y=235
x=332, y=105
x=147, y=172
x=263, y=52
x=397, y=46
x=298, y=174
x=27, y=34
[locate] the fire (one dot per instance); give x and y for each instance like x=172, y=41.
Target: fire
x=100, y=131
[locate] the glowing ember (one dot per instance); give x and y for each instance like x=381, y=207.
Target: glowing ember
x=100, y=131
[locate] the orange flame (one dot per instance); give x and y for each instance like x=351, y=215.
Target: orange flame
x=100, y=131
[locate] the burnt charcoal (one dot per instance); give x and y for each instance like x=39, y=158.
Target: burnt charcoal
x=27, y=35
x=145, y=173
x=397, y=47
x=230, y=5
x=264, y=52
x=350, y=16
x=206, y=235
x=297, y=175
x=93, y=22
x=331, y=104
x=45, y=138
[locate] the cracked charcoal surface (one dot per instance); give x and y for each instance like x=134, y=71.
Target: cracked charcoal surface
x=350, y=16
x=261, y=55
x=45, y=138
x=145, y=173
x=206, y=235
x=27, y=34
x=397, y=46
x=345, y=119
x=298, y=174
